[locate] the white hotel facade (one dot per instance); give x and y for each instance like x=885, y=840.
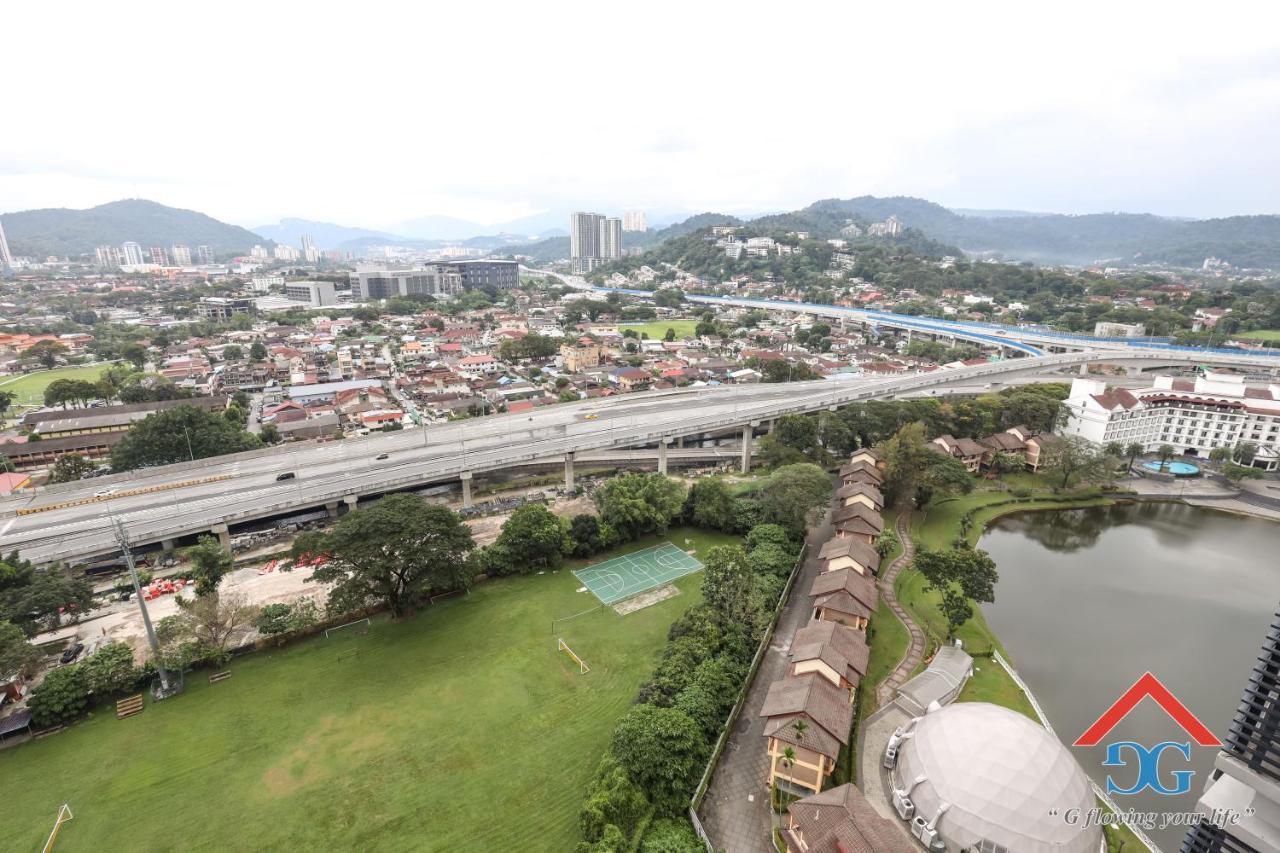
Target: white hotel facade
x=1192, y=415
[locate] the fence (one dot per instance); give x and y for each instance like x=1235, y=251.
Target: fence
x=1044, y=721
x=701, y=790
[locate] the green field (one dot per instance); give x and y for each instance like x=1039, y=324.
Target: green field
x=461, y=728
x=30, y=386
x=658, y=328
x=1269, y=335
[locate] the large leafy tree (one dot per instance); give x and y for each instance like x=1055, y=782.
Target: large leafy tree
x=16, y=654
x=961, y=575
x=162, y=438
x=710, y=504
x=793, y=496
x=35, y=600
x=69, y=468
x=44, y=353
x=217, y=622
x=1072, y=458
x=635, y=504
x=914, y=472
x=726, y=583
x=63, y=695
x=662, y=749
x=533, y=537
x=395, y=553
x=209, y=563
x=110, y=670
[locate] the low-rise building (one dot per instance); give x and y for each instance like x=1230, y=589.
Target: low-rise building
x=811, y=718
x=840, y=820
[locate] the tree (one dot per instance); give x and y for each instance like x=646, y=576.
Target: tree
x=35, y=600
x=726, y=583
x=209, y=563
x=179, y=434
x=1244, y=452
x=45, y=353
x=967, y=572
x=269, y=434
x=1164, y=453
x=770, y=558
x=16, y=654
x=532, y=346
x=662, y=750
x=62, y=696
x=135, y=354
x=671, y=835
x=956, y=609
x=395, y=552
x=1133, y=450
x=258, y=351
x=710, y=504
x=68, y=468
x=534, y=537
x=793, y=496
x=6, y=401
x=1235, y=473
x=635, y=504
x=1072, y=457
x=110, y=670
x=217, y=621
x=587, y=536
x=232, y=353
x=277, y=618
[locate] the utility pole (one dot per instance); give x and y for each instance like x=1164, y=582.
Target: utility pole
x=167, y=687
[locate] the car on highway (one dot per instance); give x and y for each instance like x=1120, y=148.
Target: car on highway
x=72, y=652
x=287, y=475
x=592, y=417
x=382, y=456
x=105, y=493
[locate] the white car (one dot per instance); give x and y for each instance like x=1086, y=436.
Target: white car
x=105, y=493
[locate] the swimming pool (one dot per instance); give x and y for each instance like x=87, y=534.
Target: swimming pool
x=1177, y=469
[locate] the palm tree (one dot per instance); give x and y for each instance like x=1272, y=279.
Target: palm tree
x=1133, y=451
x=801, y=727
x=1164, y=454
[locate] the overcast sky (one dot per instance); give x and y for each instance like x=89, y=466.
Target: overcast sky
x=371, y=114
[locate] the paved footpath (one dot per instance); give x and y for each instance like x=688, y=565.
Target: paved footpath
x=915, y=651
x=735, y=811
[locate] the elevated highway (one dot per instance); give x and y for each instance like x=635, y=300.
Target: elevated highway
x=72, y=521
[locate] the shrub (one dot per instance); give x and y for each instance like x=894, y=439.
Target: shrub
x=662, y=750
x=673, y=835
x=612, y=799
x=1021, y=492
x=110, y=670
x=769, y=534
x=747, y=514
x=771, y=559
x=63, y=695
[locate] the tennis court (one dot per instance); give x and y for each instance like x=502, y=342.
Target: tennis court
x=631, y=574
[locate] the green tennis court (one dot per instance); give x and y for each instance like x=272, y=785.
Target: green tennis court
x=634, y=573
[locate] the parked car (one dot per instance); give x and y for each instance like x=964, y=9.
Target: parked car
x=287, y=475
x=72, y=652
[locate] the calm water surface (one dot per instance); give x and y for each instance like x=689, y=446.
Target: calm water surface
x=1090, y=599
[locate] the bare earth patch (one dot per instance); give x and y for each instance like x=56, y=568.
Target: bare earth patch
x=646, y=599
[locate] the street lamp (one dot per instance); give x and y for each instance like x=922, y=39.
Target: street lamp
x=167, y=686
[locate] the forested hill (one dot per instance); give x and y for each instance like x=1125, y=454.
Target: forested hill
x=75, y=233
x=1114, y=238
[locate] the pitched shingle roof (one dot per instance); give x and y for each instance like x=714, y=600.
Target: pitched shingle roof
x=812, y=696
x=870, y=516
x=843, y=640
x=840, y=820
x=845, y=591
x=857, y=550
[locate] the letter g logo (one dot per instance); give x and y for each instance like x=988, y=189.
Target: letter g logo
x=1148, y=761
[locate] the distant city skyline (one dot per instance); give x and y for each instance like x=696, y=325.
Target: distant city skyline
x=1107, y=109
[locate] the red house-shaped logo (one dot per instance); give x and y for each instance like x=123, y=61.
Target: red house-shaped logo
x=1148, y=685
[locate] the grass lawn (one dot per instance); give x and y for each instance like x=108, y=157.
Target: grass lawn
x=30, y=386
x=459, y=729
x=1268, y=335
x=658, y=328
x=889, y=637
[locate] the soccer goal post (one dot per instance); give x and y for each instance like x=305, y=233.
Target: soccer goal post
x=64, y=815
x=359, y=626
x=583, y=669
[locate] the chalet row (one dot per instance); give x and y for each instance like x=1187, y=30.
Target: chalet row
x=977, y=455
x=809, y=712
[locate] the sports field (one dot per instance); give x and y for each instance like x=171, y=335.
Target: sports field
x=462, y=728
x=30, y=386
x=630, y=574
x=1269, y=335
x=658, y=328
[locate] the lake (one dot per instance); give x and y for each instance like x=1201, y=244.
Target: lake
x=1090, y=599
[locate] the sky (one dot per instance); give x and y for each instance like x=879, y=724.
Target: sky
x=373, y=114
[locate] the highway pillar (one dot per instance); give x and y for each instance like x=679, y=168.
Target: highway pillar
x=332, y=509
x=466, y=489
x=351, y=501
x=223, y=534
x=662, y=455
x=1133, y=371
x=1084, y=369
x=747, y=432
x=167, y=544
x=568, y=471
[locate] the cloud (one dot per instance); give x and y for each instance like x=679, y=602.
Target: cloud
x=380, y=113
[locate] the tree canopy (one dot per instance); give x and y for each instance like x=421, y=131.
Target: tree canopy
x=635, y=504
x=162, y=438
x=793, y=496
x=35, y=599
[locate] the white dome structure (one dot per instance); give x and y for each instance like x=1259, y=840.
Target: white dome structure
x=986, y=778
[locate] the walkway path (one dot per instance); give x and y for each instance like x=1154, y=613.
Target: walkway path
x=915, y=651
x=735, y=811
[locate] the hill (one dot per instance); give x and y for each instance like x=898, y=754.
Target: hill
x=326, y=234
x=75, y=233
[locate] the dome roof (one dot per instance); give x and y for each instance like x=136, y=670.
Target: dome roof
x=996, y=775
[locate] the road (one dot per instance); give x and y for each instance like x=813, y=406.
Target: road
x=243, y=487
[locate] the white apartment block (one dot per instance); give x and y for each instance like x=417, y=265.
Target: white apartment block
x=634, y=220
x=1192, y=415
x=264, y=283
